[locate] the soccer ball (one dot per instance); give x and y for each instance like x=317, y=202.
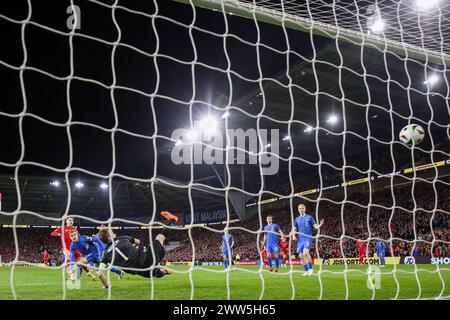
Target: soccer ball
x=412, y=134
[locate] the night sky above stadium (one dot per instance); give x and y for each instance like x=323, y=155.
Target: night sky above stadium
x=46, y=97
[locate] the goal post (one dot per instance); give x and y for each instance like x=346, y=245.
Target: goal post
x=247, y=9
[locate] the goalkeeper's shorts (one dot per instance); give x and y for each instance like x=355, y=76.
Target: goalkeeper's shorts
x=158, y=255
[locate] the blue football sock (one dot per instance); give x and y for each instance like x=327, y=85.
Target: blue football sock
x=270, y=262
x=277, y=262
x=305, y=266
x=119, y=272
x=310, y=265
x=382, y=262
x=225, y=262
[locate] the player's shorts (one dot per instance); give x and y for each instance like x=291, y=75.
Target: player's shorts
x=227, y=253
x=303, y=243
x=158, y=251
x=272, y=248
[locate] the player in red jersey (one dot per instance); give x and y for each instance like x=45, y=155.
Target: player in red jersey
x=284, y=248
x=66, y=241
x=264, y=254
x=362, y=251
x=46, y=257
x=64, y=233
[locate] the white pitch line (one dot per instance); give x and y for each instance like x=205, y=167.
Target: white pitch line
x=36, y=284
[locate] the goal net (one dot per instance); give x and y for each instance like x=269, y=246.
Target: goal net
x=225, y=112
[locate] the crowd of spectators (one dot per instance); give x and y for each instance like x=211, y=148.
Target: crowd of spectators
x=406, y=229
x=31, y=244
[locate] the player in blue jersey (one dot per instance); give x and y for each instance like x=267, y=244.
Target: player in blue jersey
x=89, y=250
x=381, y=251
x=227, y=249
x=272, y=234
x=303, y=227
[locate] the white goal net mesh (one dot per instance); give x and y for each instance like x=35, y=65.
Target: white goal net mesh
x=334, y=82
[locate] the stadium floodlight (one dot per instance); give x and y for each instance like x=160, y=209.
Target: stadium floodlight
x=308, y=129
x=79, y=185
x=178, y=143
x=377, y=26
x=332, y=119
x=433, y=79
x=104, y=186
x=54, y=183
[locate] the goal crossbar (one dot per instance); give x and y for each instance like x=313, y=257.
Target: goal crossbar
x=295, y=22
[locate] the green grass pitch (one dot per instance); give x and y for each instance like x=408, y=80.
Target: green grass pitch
x=211, y=283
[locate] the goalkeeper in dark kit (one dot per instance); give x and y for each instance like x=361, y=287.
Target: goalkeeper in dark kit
x=124, y=252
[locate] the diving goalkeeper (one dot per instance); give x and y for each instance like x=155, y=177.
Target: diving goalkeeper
x=124, y=252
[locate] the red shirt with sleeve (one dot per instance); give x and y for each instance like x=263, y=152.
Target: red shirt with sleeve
x=284, y=247
x=263, y=253
x=66, y=234
x=361, y=247
x=45, y=256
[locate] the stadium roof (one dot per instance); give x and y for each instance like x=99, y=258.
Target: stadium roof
x=380, y=94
